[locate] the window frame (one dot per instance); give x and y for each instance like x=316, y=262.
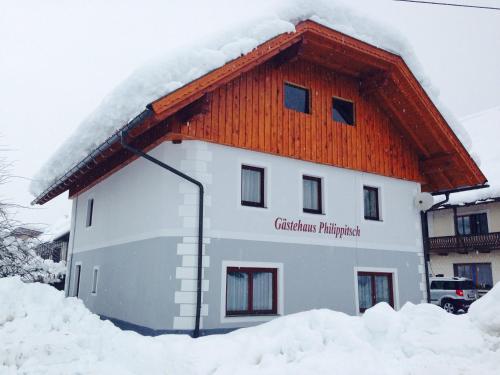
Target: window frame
x=308, y=96
x=77, y=278
x=262, y=171
x=338, y=98
x=372, y=275
x=319, y=180
x=475, y=272
x=90, y=213
x=250, y=311
x=95, y=281
x=470, y=216
x=377, y=196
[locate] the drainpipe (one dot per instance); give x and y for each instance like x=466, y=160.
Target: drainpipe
x=425, y=238
x=123, y=134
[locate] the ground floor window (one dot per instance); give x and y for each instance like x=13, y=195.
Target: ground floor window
x=374, y=287
x=251, y=291
x=479, y=273
x=78, y=271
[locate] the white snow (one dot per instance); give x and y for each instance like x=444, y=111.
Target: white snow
x=483, y=128
x=44, y=333
x=181, y=66
x=56, y=229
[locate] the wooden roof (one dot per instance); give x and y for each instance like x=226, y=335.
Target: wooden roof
x=444, y=162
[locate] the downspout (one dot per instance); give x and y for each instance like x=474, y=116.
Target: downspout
x=425, y=239
x=123, y=134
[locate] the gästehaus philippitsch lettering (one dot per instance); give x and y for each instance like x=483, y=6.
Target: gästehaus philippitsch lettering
x=339, y=231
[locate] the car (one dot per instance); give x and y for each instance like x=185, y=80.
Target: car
x=453, y=294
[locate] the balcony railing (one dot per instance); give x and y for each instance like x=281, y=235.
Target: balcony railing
x=474, y=242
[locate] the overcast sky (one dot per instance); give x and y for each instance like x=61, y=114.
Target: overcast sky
x=58, y=59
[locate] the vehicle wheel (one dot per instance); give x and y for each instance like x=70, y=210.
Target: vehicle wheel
x=448, y=306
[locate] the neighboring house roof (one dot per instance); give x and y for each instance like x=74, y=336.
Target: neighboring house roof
x=483, y=128
x=24, y=231
x=182, y=85
x=57, y=230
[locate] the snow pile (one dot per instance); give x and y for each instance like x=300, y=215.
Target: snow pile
x=486, y=312
x=483, y=128
x=56, y=230
x=182, y=66
x=43, y=333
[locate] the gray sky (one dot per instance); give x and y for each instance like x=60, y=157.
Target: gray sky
x=59, y=58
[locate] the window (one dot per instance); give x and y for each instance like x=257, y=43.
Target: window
x=374, y=287
x=479, y=273
x=371, y=203
x=343, y=111
x=472, y=224
x=90, y=211
x=251, y=291
x=296, y=98
x=252, y=186
x=94, y=280
x=311, y=187
x=76, y=288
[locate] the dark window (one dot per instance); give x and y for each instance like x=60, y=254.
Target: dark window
x=296, y=98
x=370, y=198
x=312, y=194
x=472, y=224
x=374, y=287
x=252, y=186
x=90, y=212
x=251, y=291
x=76, y=288
x=479, y=273
x=94, y=280
x=343, y=111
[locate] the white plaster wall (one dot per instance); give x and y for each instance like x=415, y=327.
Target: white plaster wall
x=342, y=199
x=143, y=201
x=444, y=264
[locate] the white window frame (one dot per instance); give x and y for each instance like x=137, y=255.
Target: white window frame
x=92, y=292
x=267, y=182
x=248, y=318
x=88, y=215
x=381, y=200
x=74, y=292
x=395, y=284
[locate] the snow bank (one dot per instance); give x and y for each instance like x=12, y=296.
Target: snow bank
x=43, y=333
x=182, y=66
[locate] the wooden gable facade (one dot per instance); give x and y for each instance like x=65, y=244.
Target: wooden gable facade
x=398, y=131
x=249, y=112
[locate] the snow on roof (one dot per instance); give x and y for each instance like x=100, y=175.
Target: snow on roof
x=180, y=67
x=483, y=128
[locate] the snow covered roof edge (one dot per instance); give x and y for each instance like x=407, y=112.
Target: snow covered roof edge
x=165, y=75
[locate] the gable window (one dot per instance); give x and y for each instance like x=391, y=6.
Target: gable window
x=343, y=111
x=311, y=190
x=374, y=287
x=472, y=224
x=252, y=186
x=479, y=273
x=371, y=203
x=95, y=275
x=251, y=291
x=296, y=98
x=90, y=212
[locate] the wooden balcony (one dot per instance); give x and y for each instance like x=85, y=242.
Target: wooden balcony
x=464, y=244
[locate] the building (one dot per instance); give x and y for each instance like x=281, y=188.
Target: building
x=283, y=180
x=55, y=241
x=465, y=232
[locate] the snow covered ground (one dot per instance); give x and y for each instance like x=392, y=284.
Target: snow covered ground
x=41, y=332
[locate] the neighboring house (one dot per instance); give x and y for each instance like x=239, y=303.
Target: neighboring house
x=55, y=240
x=465, y=233
x=311, y=150
x=25, y=233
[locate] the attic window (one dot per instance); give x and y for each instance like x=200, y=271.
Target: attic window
x=296, y=98
x=343, y=111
